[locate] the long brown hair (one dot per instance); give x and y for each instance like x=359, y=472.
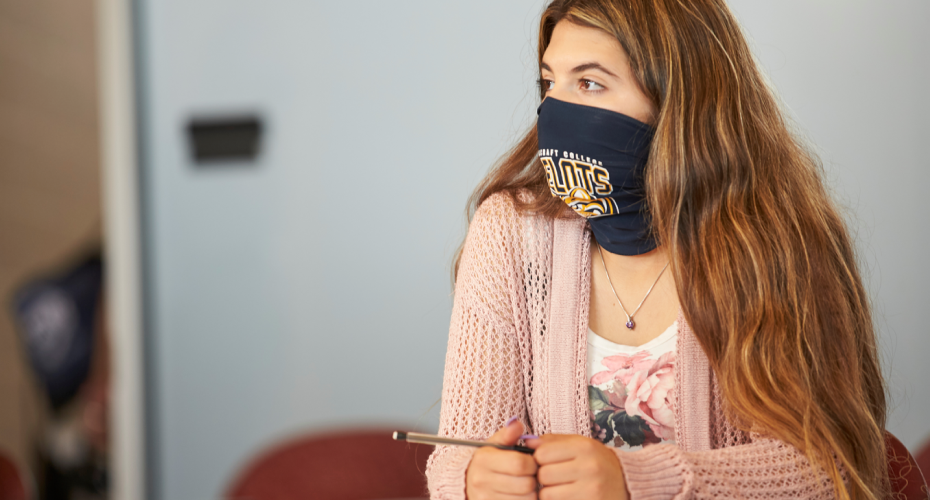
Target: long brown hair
x=765, y=266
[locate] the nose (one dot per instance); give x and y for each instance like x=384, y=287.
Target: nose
x=563, y=93
x=560, y=93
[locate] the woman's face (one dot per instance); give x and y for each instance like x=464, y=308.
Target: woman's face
x=587, y=66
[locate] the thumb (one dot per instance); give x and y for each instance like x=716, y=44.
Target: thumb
x=509, y=434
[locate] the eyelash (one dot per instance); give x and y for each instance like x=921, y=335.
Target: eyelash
x=543, y=84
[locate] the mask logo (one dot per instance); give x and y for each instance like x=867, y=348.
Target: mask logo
x=606, y=184
x=580, y=182
x=580, y=201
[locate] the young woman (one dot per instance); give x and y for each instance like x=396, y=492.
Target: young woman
x=656, y=292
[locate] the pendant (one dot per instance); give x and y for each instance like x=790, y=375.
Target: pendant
x=630, y=324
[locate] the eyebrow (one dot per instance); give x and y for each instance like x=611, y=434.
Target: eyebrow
x=584, y=67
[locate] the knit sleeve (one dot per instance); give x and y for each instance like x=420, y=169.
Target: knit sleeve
x=483, y=380
x=764, y=468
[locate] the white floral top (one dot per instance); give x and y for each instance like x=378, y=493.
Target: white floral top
x=628, y=389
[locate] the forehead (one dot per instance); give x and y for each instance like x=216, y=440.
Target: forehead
x=572, y=44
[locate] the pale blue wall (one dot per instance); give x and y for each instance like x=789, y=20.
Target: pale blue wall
x=313, y=290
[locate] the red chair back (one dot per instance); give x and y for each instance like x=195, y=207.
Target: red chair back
x=351, y=465
x=12, y=486
x=923, y=459
x=907, y=483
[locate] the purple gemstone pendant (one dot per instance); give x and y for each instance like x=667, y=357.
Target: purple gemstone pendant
x=630, y=324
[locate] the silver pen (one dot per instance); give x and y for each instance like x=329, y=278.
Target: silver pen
x=416, y=437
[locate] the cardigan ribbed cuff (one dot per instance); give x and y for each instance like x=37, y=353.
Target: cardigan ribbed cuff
x=450, y=483
x=653, y=473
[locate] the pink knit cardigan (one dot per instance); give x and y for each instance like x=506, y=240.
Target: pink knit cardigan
x=517, y=347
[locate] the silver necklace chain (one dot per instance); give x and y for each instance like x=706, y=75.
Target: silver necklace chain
x=629, y=317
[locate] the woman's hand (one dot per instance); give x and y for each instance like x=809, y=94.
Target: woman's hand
x=501, y=474
x=573, y=467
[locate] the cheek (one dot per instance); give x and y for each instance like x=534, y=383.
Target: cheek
x=638, y=107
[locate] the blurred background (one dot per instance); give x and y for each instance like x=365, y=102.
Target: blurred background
x=227, y=225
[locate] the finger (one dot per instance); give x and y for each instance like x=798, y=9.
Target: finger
x=511, y=485
x=512, y=463
x=561, y=492
x=528, y=496
x=562, y=449
x=532, y=441
x=558, y=473
x=536, y=441
x=508, y=435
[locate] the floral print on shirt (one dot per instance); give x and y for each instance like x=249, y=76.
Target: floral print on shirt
x=629, y=400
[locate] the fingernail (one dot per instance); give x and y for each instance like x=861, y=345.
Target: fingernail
x=510, y=421
x=529, y=436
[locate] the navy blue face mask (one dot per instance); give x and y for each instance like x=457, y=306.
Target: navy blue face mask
x=595, y=160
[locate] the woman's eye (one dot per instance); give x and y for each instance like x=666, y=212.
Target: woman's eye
x=591, y=86
x=546, y=85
